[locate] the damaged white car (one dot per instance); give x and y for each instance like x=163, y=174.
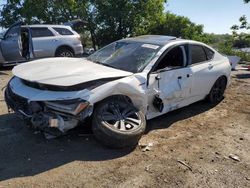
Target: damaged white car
x=118, y=87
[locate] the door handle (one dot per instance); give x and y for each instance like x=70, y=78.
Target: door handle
x=210, y=66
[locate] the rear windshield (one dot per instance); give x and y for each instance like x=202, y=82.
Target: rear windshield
x=126, y=55
x=63, y=31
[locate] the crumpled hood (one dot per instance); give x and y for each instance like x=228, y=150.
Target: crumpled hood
x=65, y=71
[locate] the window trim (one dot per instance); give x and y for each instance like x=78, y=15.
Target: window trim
x=8, y=31
x=190, y=52
x=204, y=47
x=187, y=54
x=191, y=62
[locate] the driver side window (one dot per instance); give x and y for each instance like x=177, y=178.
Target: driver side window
x=174, y=58
x=13, y=32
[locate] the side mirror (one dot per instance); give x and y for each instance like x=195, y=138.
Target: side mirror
x=158, y=77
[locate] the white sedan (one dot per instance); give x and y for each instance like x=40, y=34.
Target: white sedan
x=119, y=87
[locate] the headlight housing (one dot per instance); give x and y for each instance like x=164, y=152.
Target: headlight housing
x=73, y=107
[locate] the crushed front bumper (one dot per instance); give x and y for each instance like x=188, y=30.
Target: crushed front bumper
x=40, y=115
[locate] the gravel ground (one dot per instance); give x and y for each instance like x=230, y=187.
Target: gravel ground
x=197, y=146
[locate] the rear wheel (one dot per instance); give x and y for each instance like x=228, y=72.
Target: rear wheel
x=117, y=123
x=64, y=52
x=217, y=92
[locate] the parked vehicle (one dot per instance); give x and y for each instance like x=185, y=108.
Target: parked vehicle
x=119, y=86
x=25, y=42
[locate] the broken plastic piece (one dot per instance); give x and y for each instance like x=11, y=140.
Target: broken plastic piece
x=158, y=103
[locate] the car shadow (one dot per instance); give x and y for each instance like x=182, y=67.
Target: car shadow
x=2, y=68
x=3, y=73
x=25, y=152
x=166, y=120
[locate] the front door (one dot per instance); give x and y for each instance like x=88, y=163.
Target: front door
x=170, y=82
x=11, y=45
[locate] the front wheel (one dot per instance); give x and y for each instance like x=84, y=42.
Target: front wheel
x=117, y=123
x=217, y=92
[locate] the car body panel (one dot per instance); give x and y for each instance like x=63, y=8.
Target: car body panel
x=69, y=71
x=33, y=94
x=173, y=87
x=11, y=44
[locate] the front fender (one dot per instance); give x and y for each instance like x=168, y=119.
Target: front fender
x=133, y=87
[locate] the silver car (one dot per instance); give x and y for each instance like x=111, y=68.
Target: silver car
x=25, y=42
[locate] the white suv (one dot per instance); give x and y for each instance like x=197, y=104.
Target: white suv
x=25, y=42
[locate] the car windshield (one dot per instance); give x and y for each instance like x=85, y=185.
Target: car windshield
x=126, y=55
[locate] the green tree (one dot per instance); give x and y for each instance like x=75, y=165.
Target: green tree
x=240, y=32
x=108, y=20
x=40, y=11
x=123, y=18
x=179, y=26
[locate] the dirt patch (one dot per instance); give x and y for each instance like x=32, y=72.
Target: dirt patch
x=190, y=147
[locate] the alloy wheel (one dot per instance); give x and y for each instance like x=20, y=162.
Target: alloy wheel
x=122, y=118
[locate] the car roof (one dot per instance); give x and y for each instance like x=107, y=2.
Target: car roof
x=154, y=39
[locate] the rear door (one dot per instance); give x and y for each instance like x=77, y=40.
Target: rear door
x=44, y=42
x=11, y=45
x=202, y=66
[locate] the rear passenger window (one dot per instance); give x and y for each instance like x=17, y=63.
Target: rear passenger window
x=63, y=31
x=210, y=53
x=198, y=54
x=41, y=32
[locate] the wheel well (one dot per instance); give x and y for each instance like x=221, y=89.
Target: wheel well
x=64, y=47
x=120, y=97
x=223, y=76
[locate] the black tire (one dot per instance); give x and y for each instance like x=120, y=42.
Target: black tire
x=112, y=123
x=217, y=92
x=64, y=52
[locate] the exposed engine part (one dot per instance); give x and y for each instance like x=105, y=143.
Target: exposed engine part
x=35, y=107
x=44, y=121
x=86, y=113
x=24, y=114
x=40, y=120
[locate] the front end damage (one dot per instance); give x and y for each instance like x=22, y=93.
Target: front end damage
x=52, y=112
x=57, y=109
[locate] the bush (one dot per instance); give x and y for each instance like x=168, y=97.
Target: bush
x=227, y=49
